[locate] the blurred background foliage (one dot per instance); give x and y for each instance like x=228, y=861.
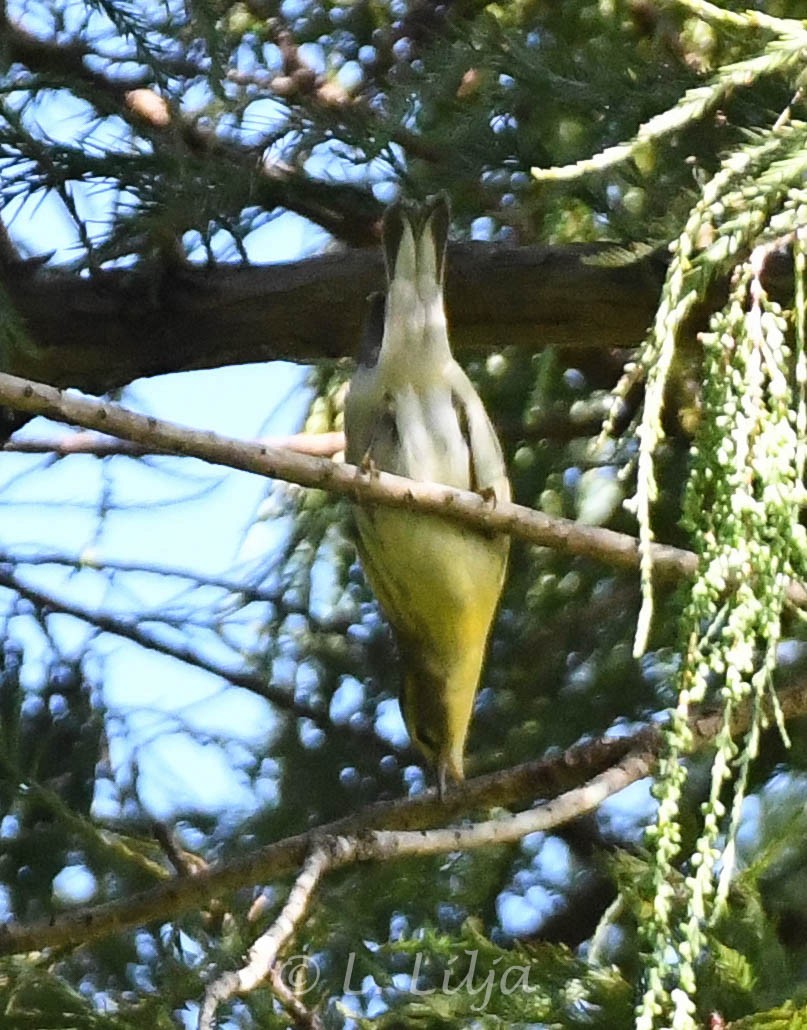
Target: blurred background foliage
x=199, y=124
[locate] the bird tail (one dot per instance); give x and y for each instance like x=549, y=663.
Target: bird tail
x=415, y=236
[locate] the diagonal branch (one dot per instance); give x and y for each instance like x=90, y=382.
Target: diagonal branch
x=128, y=628
x=616, y=549
x=263, y=953
x=583, y=776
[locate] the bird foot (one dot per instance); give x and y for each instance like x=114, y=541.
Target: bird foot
x=369, y=467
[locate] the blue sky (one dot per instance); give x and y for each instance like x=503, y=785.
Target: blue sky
x=189, y=733
x=55, y=508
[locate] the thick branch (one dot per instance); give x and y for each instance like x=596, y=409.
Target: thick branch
x=630, y=758
x=101, y=332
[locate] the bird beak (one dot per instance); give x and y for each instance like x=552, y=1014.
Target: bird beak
x=442, y=780
x=449, y=770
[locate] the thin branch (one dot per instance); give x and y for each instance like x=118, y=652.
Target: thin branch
x=90, y=559
x=630, y=756
x=303, y=1017
x=337, y=852
x=554, y=426
x=129, y=629
x=68, y=61
x=263, y=953
x=186, y=863
x=616, y=549
x=348, y=211
x=377, y=488
x=99, y=445
x=95, y=836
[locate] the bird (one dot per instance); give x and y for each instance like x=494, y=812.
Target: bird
x=411, y=410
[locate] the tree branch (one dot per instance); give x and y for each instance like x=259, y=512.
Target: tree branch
x=263, y=953
x=581, y=422
x=616, y=549
x=256, y=682
x=99, y=445
x=587, y=773
x=102, y=332
x=89, y=559
x=68, y=61
x=331, y=853
x=349, y=212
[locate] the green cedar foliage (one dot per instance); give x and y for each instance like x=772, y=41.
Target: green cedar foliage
x=645, y=124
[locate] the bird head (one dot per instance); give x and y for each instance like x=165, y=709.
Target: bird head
x=437, y=729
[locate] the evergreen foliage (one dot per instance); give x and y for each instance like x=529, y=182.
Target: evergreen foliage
x=677, y=125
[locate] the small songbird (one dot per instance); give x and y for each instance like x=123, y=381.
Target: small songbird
x=411, y=410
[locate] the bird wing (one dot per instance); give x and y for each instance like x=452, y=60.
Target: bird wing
x=486, y=463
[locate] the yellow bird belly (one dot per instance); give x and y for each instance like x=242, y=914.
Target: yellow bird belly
x=438, y=583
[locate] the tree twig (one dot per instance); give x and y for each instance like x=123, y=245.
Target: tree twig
x=92, y=559
x=128, y=629
x=263, y=953
x=303, y=1016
